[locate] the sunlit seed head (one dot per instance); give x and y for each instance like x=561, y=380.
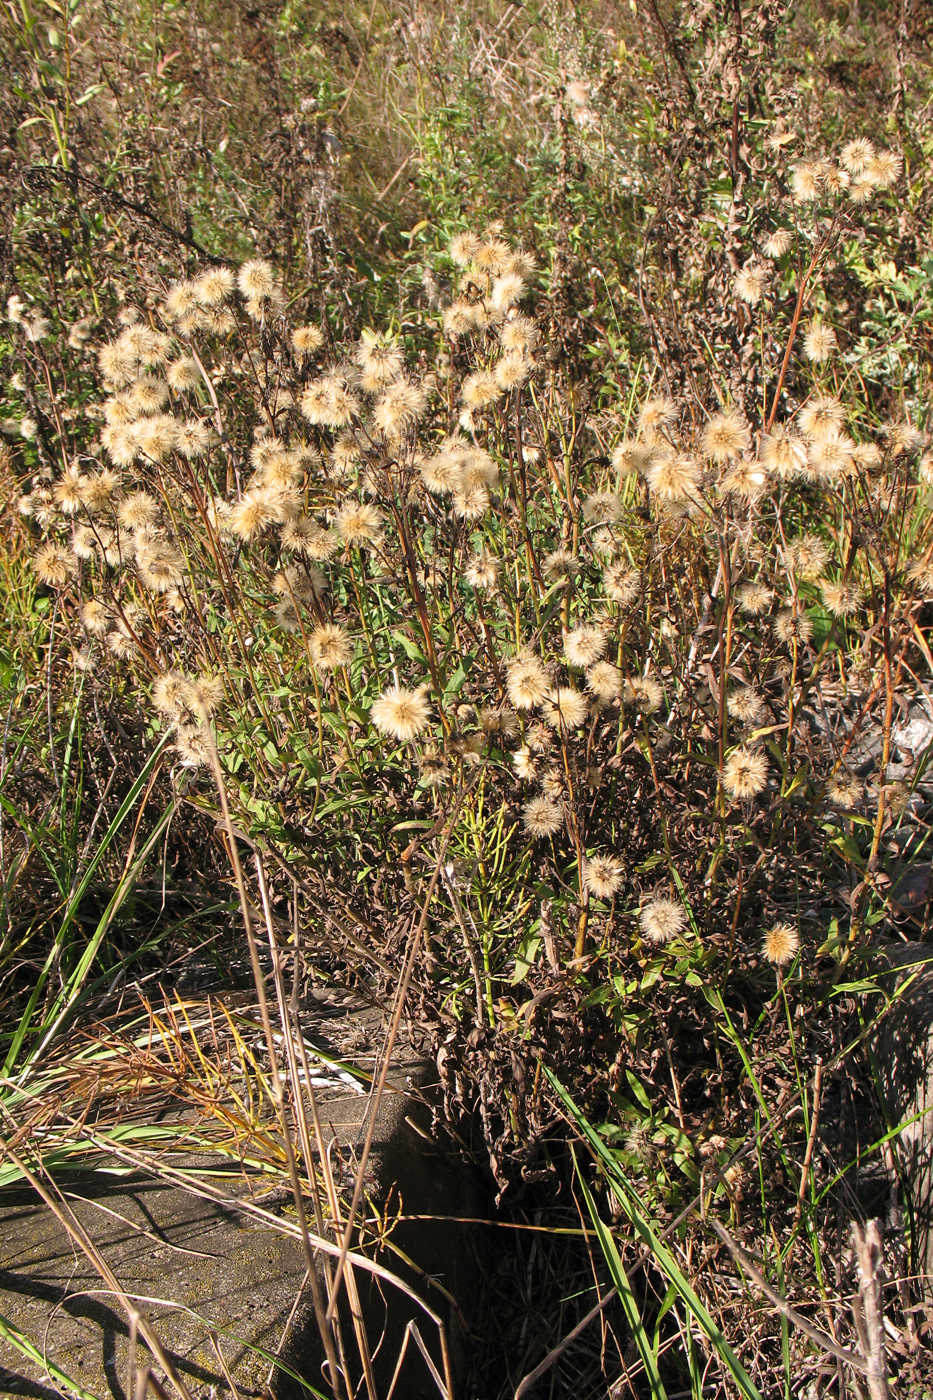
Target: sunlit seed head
x=68, y=491
x=657, y=414
x=83, y=542
x=844, y=790
x=602, y=876
x=783, y=453
x=359, y=524
x=661, y=919
x=95, y=617
x=399, y=408
x=745, y=773
x=629, y=456
x=149, y=347
x=884, y=169
x=856, y=154
x=793, y=626
x=169, y=693
x=180, y=299
x=159, y=566
x=463, y=248
x=819, y=342
x=192, y=746
x=821, y=417
x=780, y=943
x=249, y=516
x=309, y=538
x=511, y=372
x=402, y=714
x=518, y=335
x=805, y=182
x=183, y=374
x=604, y=682
x=621, y=582
x=156, y=437
x=807, y=556
x=483, y=571
x=215, y=286
x=750, y=283
x=643, y=693
x=470, y=501
x=54, y=565
x=862, y=189
x=257, y=279
x=380, y=361
x=903, y=438
x=146, y=395
x=777, y=243
x=307, y=340
x=542, y=817
x=745, y=480
x=560, y=566
x=461, y=318
x=507, y=290
x=867, y=456
x=527, y=682
x=841, y=599
x=491, y=257
x=746, y=705
x=725, y=437
x=193, y=438
x=602, y=508
x=525, y=764
x=330, y=402
x=480, y=389
x=754, y=598
x=137, y=510
x=584, y=645
x=330, y=647
x=674, y=477
x=564, y=707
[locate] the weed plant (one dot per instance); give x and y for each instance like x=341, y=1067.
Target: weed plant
x=584, y=650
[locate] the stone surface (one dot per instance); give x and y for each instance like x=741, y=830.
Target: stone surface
x=216, y=1285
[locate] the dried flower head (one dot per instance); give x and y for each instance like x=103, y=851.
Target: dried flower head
x=560, y=566
x=805, y=181
x=330, y=647
x=527, y=682
x=777, y=243
x=780, y=944
x=257, y=280
x=745, y=773
x=602, y=876
x=359, y=523
x=750, y=283
x=821, y=417
x=604, y=682
x=661, y=919
x=726, y=437
x=621, y=582
x=644, y=693
x=673, y=477
x=844, y=790
x=793, y=626
x=746, y=705
x=841, y=599
x=54, y=564
x=542, y=817
x=819, y=341
x=657, y=414
x=307, y=340
x=564, y=707
x=402, y=714
x=584, y=645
